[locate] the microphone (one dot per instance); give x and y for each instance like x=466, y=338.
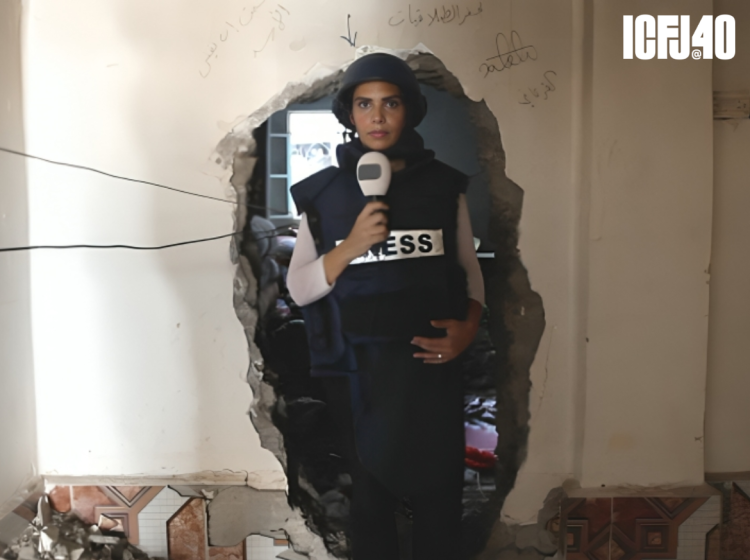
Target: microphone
x=374, y=175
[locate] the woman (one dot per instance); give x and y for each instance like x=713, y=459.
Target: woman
x=394, y=323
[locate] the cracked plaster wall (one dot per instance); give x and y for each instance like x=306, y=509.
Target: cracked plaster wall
x=147, y=346
x=17, y=430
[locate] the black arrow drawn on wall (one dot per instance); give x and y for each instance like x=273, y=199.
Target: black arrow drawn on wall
x=352, y=42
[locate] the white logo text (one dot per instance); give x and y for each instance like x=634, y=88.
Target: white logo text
x=665, y=37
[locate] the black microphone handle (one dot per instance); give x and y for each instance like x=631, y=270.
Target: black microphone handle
x=377, y=198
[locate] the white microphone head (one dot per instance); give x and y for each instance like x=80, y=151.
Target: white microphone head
x=374, y=174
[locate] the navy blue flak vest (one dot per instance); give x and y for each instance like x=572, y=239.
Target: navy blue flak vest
x=395, y=290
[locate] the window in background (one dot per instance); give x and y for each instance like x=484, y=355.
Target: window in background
x=300, y=143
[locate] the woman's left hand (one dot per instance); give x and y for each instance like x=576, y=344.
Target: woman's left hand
x=458, y=337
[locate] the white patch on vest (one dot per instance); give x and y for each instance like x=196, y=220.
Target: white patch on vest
x=406, y=244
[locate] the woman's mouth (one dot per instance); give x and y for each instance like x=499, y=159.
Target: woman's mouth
x=378, y=133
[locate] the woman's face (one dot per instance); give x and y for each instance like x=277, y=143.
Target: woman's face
x=378, y=114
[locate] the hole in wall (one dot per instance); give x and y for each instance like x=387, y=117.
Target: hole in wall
x=289, y=410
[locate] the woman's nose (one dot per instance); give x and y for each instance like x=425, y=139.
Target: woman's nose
x=377, y=115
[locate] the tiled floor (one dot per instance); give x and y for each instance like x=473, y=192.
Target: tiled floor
x=602, y=528
x=263, y=548
x=619, y=528
x=152, y=521
x=691, y=537
x=187, y=532
x=156, y=520
x=735, y=529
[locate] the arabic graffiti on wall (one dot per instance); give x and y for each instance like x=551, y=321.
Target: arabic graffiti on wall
x=238, y=24
x=450, y=14
x=508, y=54
x=534, y=95
x=514, y=52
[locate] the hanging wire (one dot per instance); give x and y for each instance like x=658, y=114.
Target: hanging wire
x=272, y=233
x=130, y=179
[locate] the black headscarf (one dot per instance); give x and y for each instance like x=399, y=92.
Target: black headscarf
x=410, y=147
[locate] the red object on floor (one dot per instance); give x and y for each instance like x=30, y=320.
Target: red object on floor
x=479, y=460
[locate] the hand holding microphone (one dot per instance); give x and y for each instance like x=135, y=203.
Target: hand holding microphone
x=371, y=226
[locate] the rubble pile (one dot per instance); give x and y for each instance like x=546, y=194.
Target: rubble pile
x=62, y=536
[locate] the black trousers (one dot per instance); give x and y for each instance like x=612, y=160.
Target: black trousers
x=435, y=525
x=401, y=428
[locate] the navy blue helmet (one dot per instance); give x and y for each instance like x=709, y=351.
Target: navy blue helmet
x=385, y=68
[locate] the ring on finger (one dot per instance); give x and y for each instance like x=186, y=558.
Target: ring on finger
x=440, y=356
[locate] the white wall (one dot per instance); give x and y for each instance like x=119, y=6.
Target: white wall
x=727, y=412
x=620, y=259
x=649, y=247
x=144, y=348
x=17, y=431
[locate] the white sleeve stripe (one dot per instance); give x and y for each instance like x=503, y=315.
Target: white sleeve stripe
x=306, y=278
x=467, y=255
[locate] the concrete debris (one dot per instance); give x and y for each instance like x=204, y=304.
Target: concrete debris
x=62, y=536
x=44, y=512
x=11, y=526
x=523, y=542
x=186, y=491
x=48, y=538
x=110, y=525
x=238, y=512
x=209, y=494
x=480, y=410
x=291, y=555
x=27, y=554
x=101, y=539
x=203, y=491
x=533, y=536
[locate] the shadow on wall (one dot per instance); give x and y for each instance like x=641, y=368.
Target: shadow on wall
x=289, y=410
